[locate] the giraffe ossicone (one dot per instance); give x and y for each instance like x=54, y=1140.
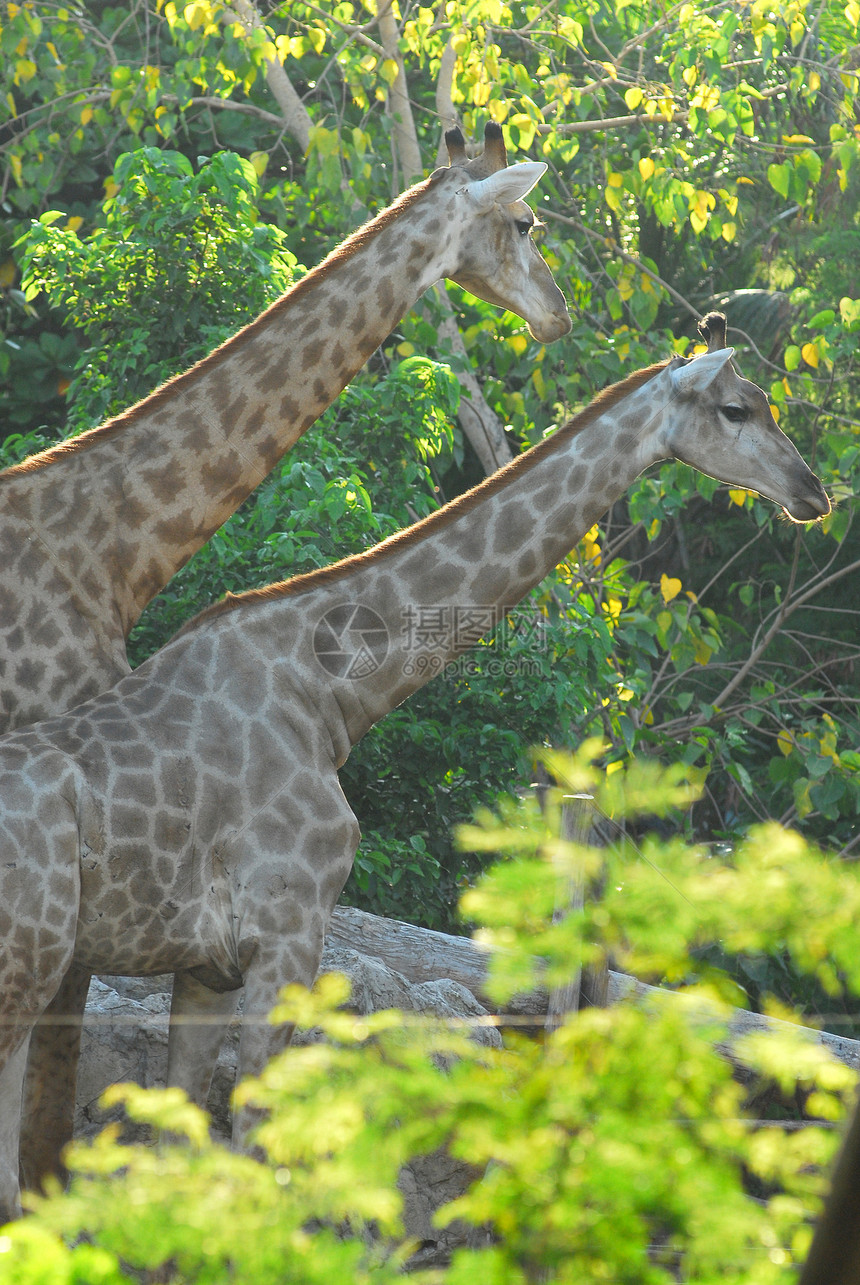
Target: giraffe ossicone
x=191, y=820
x=92, y=529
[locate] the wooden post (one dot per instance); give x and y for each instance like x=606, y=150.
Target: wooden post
x=834, y=1255
x=575, y=825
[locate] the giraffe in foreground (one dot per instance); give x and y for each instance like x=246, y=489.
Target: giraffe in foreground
x=191, y=819
x=92, y=529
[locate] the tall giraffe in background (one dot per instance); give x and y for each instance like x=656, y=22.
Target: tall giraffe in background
x=191, y=820
x=92, y=529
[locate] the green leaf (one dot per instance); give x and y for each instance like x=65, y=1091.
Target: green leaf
x=779, y=177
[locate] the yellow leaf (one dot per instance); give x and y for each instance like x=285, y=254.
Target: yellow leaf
x=690, y=75
x=86, y=115
x=614, y=179
x=802, y=801
x=738, y=497
x=610, y=67
x=809, y=353
x=814, y=82
x=612, y=607
x=697, y=775
x=774, y=410
x=259, y=160
x=743, y=179
x=7, y=273
x=633, y=97
x=196, y=14
x=670, y=587
x=73, y=223
x=25, y=69
x=389, y=71
x=519, y=343
x=405, y=349
x=111, y=189
x=17, y=168
x=646, y=167
x=785, y=742
x=702, y=652
x=728, y=231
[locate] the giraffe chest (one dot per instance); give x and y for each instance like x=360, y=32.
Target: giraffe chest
x=151, y=898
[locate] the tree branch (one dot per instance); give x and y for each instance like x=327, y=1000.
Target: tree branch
x=295, y=117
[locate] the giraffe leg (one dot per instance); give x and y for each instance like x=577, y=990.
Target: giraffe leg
x=39, y=902
x=260, y=1040
x=283, y=910
x=199, y=1018
x=11, y=1082
x=48, y=1114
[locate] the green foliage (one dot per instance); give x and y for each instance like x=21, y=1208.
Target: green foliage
x=617, y=1148
x=180, y=263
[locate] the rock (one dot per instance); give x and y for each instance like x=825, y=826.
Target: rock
x=125, y=1038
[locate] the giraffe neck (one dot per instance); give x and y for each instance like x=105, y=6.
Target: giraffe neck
x=130, y=501
x=425, y=595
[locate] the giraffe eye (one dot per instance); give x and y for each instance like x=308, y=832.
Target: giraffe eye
x=734, y=414
x=524, y=226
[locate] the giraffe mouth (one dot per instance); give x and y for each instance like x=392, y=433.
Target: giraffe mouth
x=811, y=508
x=546, y=332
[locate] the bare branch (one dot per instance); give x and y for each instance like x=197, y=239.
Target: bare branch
x=295, y=117
x=400, y=111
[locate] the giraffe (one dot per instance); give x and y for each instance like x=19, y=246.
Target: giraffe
x=191, y=820
x=92, y=529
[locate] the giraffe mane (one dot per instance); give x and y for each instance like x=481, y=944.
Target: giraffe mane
x=356, y=241
x=437, y=520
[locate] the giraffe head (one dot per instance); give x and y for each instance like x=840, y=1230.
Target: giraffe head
x=496, y=257
x=723, y=426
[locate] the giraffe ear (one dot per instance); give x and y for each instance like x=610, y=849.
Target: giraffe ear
x=505, y=186
x=700, y=371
